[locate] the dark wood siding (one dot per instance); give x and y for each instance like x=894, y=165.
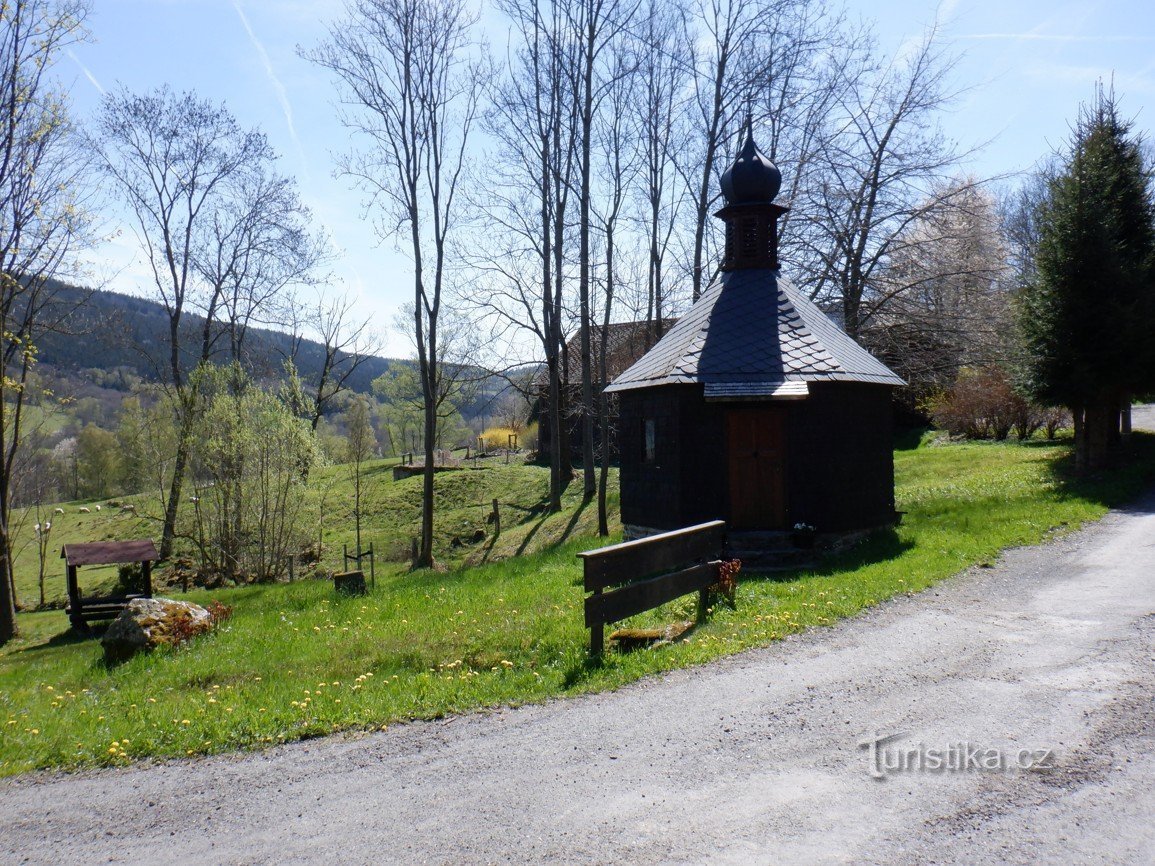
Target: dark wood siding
x=841, y=473
x=704, y=468
x=650, y=489
x=839, y=458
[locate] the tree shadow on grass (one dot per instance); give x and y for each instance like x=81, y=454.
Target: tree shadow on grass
x=570, y=526
x=1122, y=487
x=68, y=637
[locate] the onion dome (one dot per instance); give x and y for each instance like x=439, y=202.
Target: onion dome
x=753, y=178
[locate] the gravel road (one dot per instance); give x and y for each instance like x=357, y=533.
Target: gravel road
x=755, y=759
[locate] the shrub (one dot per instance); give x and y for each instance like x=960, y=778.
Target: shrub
x=984, y=405
x=252, y=456
x=498, y=437
x=1054, y=420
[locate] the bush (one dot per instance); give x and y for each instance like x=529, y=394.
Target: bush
x=498, y=437
x=130, y=578
x=984, y=405
x=252, y=457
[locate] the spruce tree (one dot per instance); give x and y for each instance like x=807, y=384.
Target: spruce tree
x=1087, y=315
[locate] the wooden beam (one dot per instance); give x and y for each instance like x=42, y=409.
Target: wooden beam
x=634, y=560
x=648, y=594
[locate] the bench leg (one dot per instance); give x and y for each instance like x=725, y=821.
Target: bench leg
x=703, y=603
x=597, y=639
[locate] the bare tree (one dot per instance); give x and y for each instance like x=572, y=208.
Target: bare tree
x=946, y=288
x=597, y=25
x=258, y=248
x=412, y=87
x=532, y=116
x=41, y=221
x=885, y=157
x=617, y=151
x=347, y=342
x=171, y=158
x=663, y=70
x=724, y=63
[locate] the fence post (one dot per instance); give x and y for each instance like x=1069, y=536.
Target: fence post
x=597, y=634
x=372, y=566
x=496, y=519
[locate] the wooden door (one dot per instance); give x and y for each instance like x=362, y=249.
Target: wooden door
x=756, y=442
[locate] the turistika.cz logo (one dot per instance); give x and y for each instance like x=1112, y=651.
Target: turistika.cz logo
x=885, y=757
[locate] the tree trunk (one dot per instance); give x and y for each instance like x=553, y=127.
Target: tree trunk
x=425, y=553
x=168, y=533
x=1079, y=421
x=1101, y=431
x=555, y=440
x=587, y=399
x=8, y=629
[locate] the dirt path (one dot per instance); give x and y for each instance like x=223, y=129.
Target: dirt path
x=754, y=759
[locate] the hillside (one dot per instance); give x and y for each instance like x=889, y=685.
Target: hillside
x=107, y=341
x=126, y=337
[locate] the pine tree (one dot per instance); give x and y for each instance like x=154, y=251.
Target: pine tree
x=1086, y=315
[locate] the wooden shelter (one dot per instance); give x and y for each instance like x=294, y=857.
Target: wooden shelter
x=755, y=408
x=82, y=611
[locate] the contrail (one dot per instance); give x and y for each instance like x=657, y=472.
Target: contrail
x=1053, y=37
x=91, y=78
x=282, y=94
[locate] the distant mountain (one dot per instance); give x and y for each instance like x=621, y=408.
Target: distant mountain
x=107, y=341
x=109, y=331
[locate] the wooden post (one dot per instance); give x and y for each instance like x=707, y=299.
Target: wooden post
x=496, y=519
x=597, y=634
x=703, y=603
x=74, y=600
x=372, y=566
x=146, y=569
x=292, y=567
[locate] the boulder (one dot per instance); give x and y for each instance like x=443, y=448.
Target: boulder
x=151, y=622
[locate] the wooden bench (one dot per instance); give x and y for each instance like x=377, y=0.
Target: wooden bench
x=81, y=611
x=101, y=608
x=650, y=572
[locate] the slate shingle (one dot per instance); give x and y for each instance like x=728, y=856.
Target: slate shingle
x=752, y=328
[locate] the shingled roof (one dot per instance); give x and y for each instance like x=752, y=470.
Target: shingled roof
x=739, y=342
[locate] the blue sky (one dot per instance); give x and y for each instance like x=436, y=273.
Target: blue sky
x=1025, y=66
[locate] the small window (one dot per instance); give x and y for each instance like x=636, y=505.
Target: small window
x=649, y=436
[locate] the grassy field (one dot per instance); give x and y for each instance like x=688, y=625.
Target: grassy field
x=296, y=661
x=390, y=515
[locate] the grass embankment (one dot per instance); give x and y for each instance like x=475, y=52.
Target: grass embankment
x=295, y=661
x=390, y=519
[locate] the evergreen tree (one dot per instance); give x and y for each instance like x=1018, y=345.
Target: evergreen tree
x=1086, y=315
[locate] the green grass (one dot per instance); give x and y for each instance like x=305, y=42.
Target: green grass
x=390, y=519
x=296, y=661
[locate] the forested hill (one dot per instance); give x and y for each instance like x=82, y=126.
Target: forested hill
x=111, y=332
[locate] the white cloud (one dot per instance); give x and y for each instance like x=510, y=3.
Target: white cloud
x=278, y=87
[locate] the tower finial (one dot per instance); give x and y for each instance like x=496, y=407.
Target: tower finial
x=752, y=177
